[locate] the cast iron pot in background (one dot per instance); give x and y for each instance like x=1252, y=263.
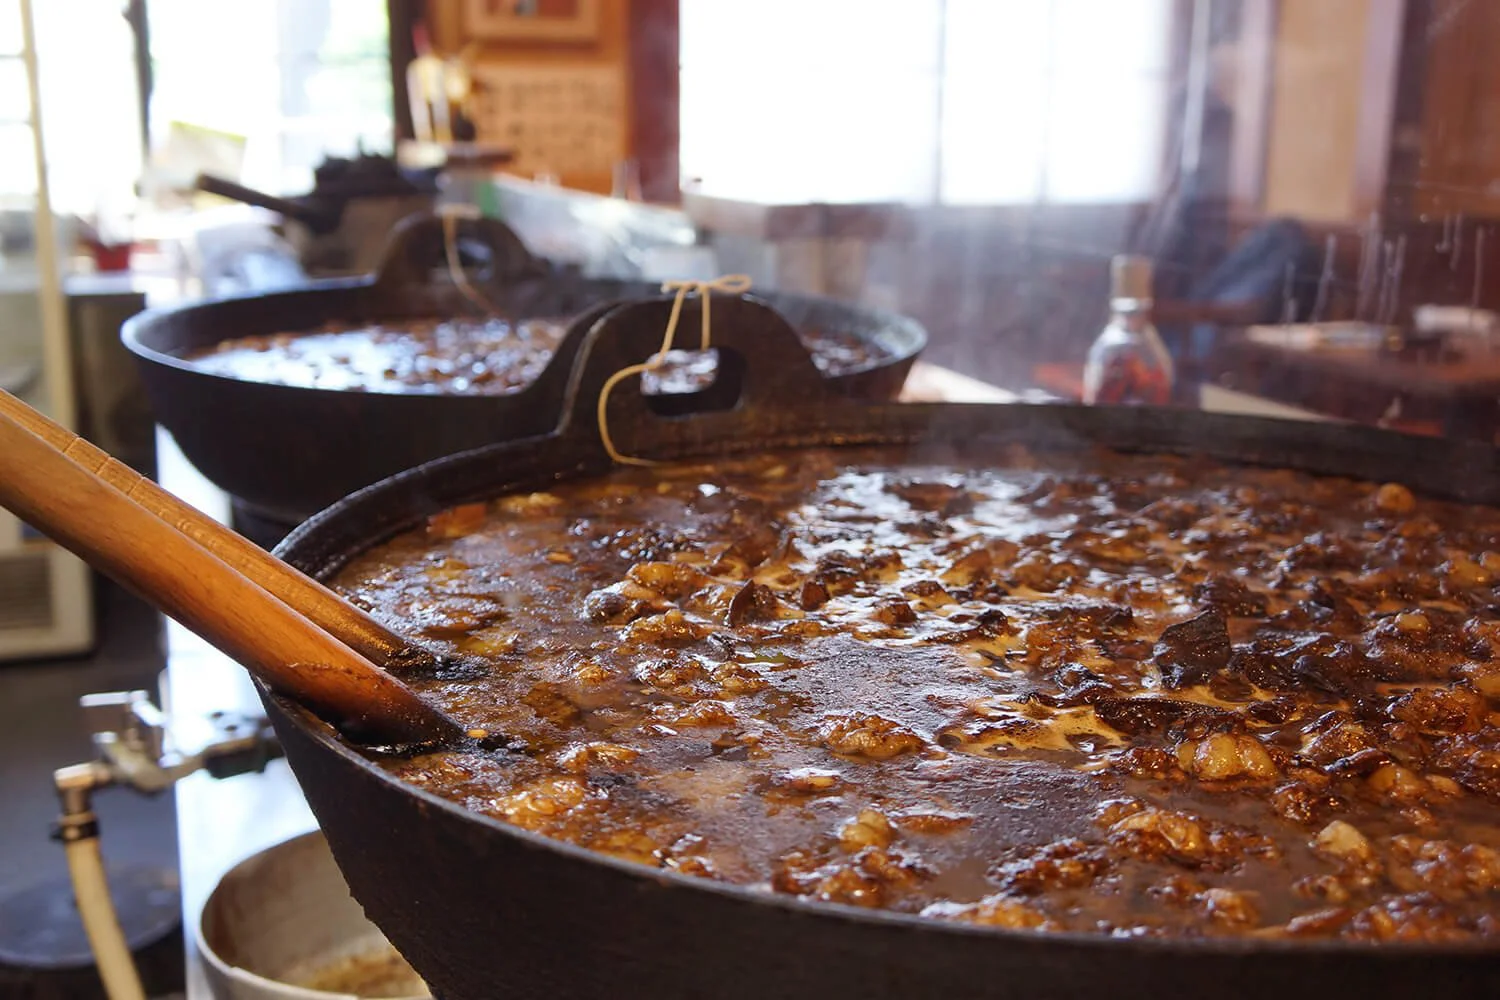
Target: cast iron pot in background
x=483, y=910
x=288, y=451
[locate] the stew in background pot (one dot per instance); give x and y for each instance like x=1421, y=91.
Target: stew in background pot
x=470, y=356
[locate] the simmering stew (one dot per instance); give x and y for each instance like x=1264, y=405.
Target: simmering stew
x=467, y=356
x=1115, y=694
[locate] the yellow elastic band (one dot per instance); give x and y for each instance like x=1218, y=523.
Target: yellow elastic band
x=734, y=284
x=451, y=214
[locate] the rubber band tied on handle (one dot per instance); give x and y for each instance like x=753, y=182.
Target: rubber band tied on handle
x=733, y=284
x=450, y=215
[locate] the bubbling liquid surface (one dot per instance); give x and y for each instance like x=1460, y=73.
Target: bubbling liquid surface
x=1107, y=694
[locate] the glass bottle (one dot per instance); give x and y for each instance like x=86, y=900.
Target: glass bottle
x=1128, y=364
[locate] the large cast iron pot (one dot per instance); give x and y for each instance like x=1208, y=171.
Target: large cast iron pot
x=483, y=910
x=286, y=452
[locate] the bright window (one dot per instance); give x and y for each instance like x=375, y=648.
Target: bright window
x=952, y=101
x=88, y=105
x=299, y=79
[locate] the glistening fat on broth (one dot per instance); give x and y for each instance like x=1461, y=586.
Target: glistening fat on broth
x=1144, y=696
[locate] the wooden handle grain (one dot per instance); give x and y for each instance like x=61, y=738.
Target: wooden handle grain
x=331, y=612
x=184, y=580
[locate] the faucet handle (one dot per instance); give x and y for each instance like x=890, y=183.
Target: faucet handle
x=126, y=717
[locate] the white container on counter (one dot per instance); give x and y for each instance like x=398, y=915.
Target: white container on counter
x=282, y=926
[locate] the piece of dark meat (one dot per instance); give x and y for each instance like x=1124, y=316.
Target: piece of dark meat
x=1142, y=716
x=754, y=602
x=1229, y=597
x=1191, y=651
x=937, y=498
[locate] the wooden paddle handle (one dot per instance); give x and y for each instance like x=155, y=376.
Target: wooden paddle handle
x=187, y=582
x=335, y=615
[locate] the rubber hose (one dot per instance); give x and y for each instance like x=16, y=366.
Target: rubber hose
x=101, y=924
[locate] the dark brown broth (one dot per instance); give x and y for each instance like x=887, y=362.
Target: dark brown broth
x=857, y=677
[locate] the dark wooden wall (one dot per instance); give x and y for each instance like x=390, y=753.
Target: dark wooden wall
x=653, y=49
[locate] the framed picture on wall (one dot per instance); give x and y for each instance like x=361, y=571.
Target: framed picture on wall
x=532, y=20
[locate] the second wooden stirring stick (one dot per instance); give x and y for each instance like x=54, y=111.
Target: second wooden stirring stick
x=330, y=611
x=286, y=650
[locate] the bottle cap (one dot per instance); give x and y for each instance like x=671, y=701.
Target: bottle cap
x=1130, y=277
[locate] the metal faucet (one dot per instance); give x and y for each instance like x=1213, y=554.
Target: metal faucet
x=135, y=750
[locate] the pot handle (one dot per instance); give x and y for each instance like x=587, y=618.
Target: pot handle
x=766, y=382
x=490, y=253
